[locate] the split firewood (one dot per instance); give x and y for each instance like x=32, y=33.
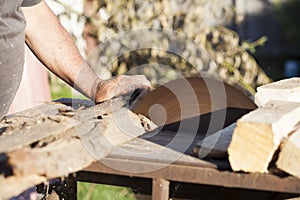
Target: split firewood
x=259, y=133
x=289, y=156
x=284, y=90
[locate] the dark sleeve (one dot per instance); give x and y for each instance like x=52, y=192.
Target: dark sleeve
x=27, y=3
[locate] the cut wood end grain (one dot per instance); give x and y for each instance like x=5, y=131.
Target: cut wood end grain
x=283, y=117
x=251, y=148
x=258, y=135
x=289, y=156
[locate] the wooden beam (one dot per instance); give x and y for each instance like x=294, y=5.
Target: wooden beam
x=284, y=90
x=160, y=189
x=259, y=134
x=198, y=175
x=289, y=156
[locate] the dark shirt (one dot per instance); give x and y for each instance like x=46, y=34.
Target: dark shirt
x=12, y=38
x=12, y=20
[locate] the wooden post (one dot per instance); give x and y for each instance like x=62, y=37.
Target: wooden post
x=71, y=187
x=160, y=189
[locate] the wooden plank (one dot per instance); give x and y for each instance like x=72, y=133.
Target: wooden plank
x=27, y=127
x=111, y=131
x=198, y=175
x=57, y=159
x=215, y=145
x=283, y=90
x=160, y=189
x=259, y=134
x=89, y=135
x=289, y=156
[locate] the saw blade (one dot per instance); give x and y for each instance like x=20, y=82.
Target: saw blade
x=189, y=97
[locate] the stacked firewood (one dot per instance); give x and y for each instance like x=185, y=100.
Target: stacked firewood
x=270, y=135
x=266, y=138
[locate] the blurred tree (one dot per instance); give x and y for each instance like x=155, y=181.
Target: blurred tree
x=201, y=22
x=287, y=14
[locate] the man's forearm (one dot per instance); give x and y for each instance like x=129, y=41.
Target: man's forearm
x=55, y=48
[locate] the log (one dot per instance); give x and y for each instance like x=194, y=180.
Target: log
x=283, y=90
x=259, y=133
x=60, y=140
x=289, y=156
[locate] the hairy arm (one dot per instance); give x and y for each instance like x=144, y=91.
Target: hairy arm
x=54, y=47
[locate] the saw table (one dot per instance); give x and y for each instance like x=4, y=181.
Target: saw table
x=148, y=164
x=161, y=162
x=164, y=164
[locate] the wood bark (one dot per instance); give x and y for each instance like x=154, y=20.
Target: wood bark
x=259, y=134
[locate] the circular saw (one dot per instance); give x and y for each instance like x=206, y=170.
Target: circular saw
x=186, y=98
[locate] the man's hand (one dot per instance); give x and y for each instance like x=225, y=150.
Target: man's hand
x=119, y=85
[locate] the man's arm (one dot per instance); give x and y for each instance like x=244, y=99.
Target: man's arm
x=55, y=48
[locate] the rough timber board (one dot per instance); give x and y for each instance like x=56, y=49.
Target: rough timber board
x=27, y=127
x=259, y=133
x=289, y=156
x=70, y=149
x=284, y=90
x=58, y=159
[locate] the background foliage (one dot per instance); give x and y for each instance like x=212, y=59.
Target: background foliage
x=200, y=20
x=287, y=15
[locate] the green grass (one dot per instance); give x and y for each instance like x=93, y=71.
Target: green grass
x=58, y=88
x=91, y=191
x=61, y=91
